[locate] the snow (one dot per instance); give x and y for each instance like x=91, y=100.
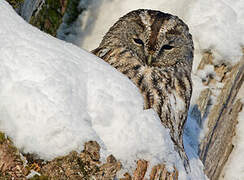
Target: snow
x=216, y=25
x=89, y=33
x=56, y=96
x=41, y=90
x=218, y=28
x=207, y=71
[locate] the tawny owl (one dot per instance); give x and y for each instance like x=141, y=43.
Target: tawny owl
x=155, y=51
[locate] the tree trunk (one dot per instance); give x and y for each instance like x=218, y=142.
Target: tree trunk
x=217, y=145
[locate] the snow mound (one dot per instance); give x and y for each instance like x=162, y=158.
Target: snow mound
x=43, y=94
x=218, y=26
x=56, y=96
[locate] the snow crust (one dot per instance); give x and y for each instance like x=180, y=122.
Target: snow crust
x=216, y=25
x=56, y=96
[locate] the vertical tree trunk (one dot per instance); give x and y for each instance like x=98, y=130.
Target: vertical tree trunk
x=216, y=146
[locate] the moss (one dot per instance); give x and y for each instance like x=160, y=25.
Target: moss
x=50, y=16
x=15, y=3
x=9, y=143
x=82, y=167
x=73, y=11
x=13, y=148
x=85, y=170
x=2, y=137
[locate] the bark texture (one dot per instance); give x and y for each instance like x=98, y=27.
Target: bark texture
x=217, y=145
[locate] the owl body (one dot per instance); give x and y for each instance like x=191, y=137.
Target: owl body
x=155, y=51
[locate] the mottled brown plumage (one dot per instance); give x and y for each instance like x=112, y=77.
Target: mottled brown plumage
x=155, y=50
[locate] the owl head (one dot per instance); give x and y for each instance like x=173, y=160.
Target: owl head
x=155, y=38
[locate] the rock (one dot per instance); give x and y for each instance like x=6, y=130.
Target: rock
x=15, y=3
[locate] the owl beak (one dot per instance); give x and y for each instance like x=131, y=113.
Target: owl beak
x=149, y=60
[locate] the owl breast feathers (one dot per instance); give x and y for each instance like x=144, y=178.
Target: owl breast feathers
x=155, y=51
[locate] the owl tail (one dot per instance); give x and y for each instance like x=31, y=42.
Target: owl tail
x=185, y=159
x=180, y=148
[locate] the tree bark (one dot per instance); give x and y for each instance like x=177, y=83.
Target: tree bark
x=217, y=145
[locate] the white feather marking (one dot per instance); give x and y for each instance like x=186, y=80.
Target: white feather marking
x=146, y=19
